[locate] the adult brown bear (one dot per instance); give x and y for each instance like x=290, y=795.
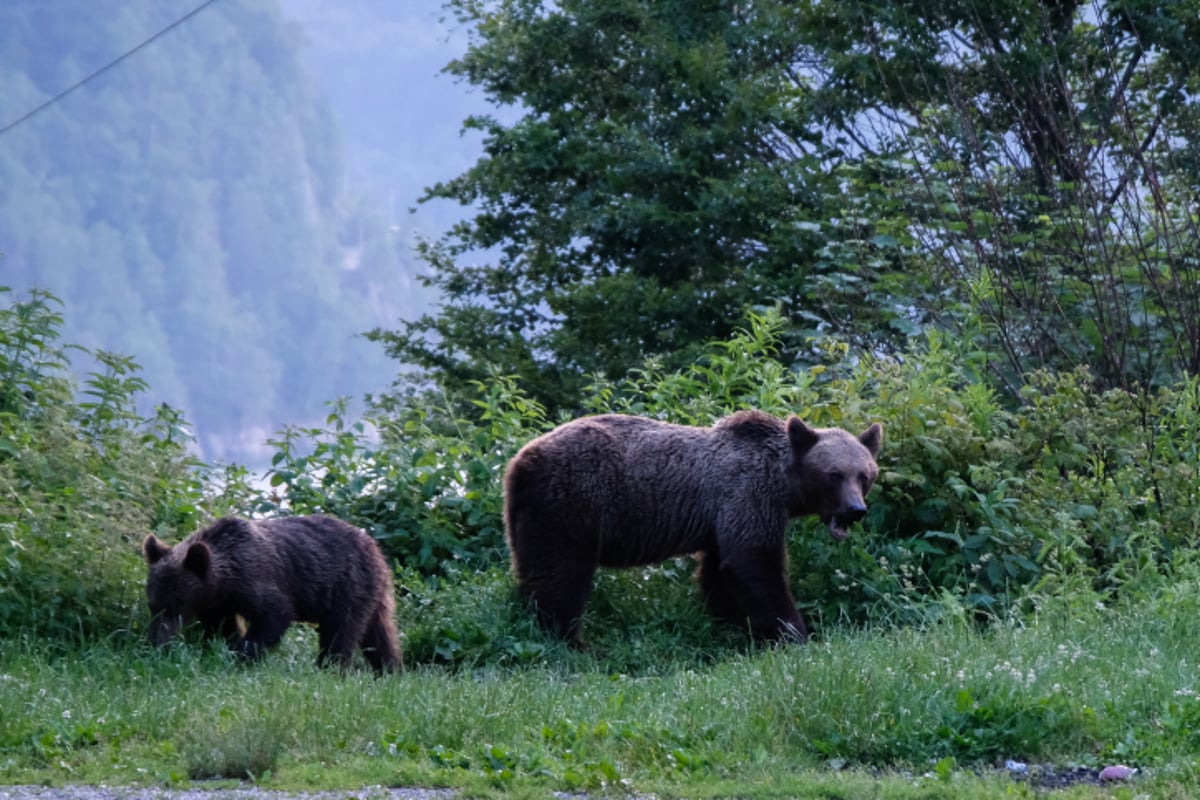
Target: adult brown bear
x=623, y=491
x=271, y=573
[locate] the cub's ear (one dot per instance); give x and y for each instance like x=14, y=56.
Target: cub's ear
x=154, y=549
x=800, y=435
x=198, y=559
x=872, y=437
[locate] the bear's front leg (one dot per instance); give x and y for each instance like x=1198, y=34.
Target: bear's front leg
x=262, y=634
x=557, y=586
x=716, y=588
x=222, y=625
x=758, y=577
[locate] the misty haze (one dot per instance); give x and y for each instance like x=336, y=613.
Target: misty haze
x=229, y=205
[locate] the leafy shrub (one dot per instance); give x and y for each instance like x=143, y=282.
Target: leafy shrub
x=740, y=373
x=81, y=481
x=424, y=482
x=1114, y=475
x=983, y=500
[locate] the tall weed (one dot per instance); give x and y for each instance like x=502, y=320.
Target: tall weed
x=740, y=373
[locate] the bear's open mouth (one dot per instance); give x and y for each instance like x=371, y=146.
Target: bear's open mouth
x=839, y=529
x=839, y=524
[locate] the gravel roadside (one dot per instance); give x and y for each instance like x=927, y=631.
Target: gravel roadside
x=84, y=792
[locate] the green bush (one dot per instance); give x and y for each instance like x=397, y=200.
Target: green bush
x=983, y=499
x=1114, y=475
x=422, y=481
x=81, y=481
x=740, y=373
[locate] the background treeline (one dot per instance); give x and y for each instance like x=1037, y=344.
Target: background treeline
x=189, y=207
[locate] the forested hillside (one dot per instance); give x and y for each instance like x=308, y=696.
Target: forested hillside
x=381, y=65
x=188, y=205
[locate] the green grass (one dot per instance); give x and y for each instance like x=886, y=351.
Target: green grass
x=896, y=713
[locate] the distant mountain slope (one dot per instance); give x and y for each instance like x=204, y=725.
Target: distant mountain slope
x=189, y=205
x=381, y=63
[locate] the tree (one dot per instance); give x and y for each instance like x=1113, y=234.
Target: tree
x=659, y=182
x=1018, y=172
x=1045, y=151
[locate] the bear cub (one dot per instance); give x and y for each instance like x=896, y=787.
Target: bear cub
x=271, y=573
x=623, y=491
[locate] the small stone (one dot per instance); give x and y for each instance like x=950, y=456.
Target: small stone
x=1116, y=772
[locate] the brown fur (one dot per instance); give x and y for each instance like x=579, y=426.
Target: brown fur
x=622, y=491
x=271, y=573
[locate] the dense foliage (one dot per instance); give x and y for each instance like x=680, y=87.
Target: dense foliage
x=82, y=480
x=1021, y=174
x=189, y=208
x=978, y=503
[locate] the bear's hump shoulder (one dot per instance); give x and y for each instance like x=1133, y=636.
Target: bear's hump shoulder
x=225, y=532
x=751, y=424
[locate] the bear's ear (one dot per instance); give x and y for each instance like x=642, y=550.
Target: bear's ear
x=154, y=549
x=198, y=559
x=872, y=437
x=800, y=435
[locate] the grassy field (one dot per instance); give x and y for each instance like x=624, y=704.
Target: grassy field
x=901, y=713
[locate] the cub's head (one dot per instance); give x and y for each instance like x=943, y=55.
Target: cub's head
x=832, y=472
x=178, y=585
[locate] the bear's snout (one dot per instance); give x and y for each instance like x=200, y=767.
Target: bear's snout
x=853, y=513
x=162, y=628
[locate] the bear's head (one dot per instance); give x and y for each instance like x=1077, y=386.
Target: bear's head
x=178, y=586
x=832, y=472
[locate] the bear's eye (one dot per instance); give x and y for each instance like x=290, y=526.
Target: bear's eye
x=835, y=476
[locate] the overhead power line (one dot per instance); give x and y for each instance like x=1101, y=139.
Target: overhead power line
x=106, y=67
